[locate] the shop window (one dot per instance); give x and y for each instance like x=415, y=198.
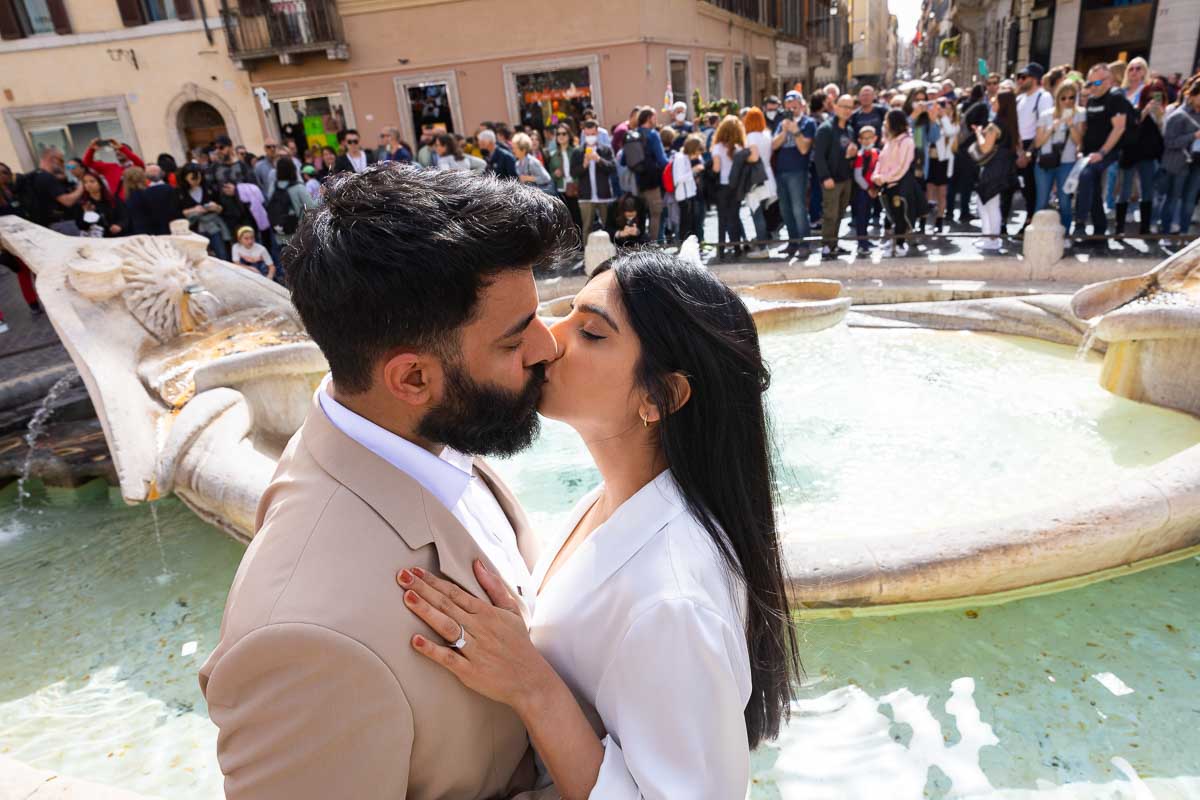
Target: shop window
x=429, y=104
x=547, y=98
x=310, y=122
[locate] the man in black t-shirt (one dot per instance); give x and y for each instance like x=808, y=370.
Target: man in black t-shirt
x=868, y=112
x=50, y=196
x=1107, y=114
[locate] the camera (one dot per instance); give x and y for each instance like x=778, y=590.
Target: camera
x=786, y=114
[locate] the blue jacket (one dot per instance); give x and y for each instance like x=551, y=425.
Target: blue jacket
x=502, y=163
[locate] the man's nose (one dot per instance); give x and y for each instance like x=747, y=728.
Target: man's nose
x=543, y=347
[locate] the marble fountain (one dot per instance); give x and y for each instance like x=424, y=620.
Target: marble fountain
x=200, y=371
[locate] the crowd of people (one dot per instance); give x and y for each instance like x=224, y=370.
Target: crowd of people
x=1121, y=138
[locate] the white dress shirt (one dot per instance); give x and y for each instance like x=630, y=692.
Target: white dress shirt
x=453, y=480
x=647, y=625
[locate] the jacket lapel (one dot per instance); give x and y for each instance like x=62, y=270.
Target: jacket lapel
x=417, y=516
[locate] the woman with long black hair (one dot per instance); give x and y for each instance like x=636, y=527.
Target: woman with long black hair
x=660, y=649
x=996, y=145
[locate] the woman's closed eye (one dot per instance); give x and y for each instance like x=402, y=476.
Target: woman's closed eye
x=589, y=336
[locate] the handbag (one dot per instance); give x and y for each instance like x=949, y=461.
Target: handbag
x=1053, y=159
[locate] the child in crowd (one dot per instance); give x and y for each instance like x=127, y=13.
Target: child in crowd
x=250, y=253
x=863, y=196
x=628, y=225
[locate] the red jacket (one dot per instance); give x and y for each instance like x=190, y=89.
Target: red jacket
x=111, y=172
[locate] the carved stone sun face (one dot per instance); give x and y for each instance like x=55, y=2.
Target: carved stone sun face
x=157, y=275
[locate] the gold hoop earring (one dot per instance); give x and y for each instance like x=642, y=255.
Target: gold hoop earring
x=645, y=422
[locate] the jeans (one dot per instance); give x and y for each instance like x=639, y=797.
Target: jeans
x=833, y=206
x=1048, y=179
x=1110, y=183
x=216, y=243
x=860, y=213
x=793, y=202
x=1182, y=193
x=1145, y=173
x=761, y=232
x=1089, y=196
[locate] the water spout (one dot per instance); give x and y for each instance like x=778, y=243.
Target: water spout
x=37, y=426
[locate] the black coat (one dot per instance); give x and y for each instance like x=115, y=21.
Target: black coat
x=502, y=163
x=152, y=209
x=605, y=168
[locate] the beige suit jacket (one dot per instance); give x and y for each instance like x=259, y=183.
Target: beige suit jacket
x=314, y=686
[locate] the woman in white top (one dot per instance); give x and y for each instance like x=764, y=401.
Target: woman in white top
x=943, y=134
x=451, y=156
x=659, y=652
x=758, y=139
x=1059, y=136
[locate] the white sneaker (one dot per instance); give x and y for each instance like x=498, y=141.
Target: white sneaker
x=3, y=326
x=901, y=251
x=889, y=249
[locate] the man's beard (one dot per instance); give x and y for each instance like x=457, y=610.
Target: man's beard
x=484, y=420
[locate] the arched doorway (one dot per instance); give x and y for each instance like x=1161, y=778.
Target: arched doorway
x=200, y=123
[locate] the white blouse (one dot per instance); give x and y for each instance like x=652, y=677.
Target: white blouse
x=647, y=626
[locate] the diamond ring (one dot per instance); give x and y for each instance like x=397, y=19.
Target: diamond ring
x=462, y=639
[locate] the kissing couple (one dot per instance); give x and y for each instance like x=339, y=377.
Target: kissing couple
x=396, y=628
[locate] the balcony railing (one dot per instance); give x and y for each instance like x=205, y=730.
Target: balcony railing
x=282, y=29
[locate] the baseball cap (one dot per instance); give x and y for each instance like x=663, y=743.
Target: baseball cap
x=1033, y=70
x=309, y=169
x=793, y=95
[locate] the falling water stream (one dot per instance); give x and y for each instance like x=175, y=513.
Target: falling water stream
x=37, y=426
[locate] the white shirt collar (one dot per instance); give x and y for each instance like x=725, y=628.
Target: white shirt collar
x=445, y=477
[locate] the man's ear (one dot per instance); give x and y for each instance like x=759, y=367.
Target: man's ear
x=681, y=392
x=412, y=378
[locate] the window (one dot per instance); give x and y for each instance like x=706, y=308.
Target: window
x=679, y=79
x=158, y=10
x=72, y=135
x=34, y=16
x=714, y=80
x=140, y=12
x=739, y=81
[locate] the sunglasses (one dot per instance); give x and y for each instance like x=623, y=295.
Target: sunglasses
x=1095, y=83
x=352, y=141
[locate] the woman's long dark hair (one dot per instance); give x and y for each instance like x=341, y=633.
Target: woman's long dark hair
x=718, y=449
x=1006, y=118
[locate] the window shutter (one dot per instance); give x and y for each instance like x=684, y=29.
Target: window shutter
x=184, y=9
x=58, y=15
x=131, y=13
x=10, y=26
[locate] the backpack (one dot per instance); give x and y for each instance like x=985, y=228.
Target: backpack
x=634, y=149
x=281, y=214
x=668, y=176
